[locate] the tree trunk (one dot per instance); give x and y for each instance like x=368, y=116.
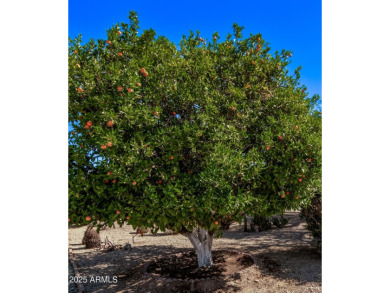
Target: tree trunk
x=202, y=240
x=245, y=224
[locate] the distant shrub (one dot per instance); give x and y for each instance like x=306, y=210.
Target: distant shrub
x=279, y=222
x=265, y=223
x=313, y=216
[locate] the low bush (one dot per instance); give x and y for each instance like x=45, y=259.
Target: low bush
x=313, y=216
x=279, y=222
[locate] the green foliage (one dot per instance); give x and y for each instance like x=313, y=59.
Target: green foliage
x=171, y=138
x=312, y=213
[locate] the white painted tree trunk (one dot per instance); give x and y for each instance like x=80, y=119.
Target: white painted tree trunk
x=202, y=240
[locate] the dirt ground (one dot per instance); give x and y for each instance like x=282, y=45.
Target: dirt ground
x=288, y=261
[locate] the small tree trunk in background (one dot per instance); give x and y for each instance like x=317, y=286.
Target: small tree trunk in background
x=202, y=240
x=245, y=224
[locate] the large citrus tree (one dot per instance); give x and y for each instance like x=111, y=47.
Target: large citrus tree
x=184, y=137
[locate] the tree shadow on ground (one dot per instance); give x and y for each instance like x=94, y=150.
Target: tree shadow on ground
x=128, y=267
x=302, y=264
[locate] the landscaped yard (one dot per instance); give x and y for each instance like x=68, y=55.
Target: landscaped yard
x=287, y=259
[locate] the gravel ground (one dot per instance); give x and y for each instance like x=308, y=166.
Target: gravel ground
x=288, y=260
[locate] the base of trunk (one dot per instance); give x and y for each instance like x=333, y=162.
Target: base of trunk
x=204, y=257
x=202, y=240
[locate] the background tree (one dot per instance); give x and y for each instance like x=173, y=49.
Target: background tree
x=187, y=137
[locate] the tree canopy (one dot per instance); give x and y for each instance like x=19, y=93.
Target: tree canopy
x=178, y=136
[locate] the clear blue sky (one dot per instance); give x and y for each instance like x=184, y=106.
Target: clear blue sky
x=286, y=24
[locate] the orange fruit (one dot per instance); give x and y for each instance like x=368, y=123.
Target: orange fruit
x=127, y=218
x=146, y=74
x=103, y=146
x=159, y=181
x=277, y=66
x=68, y=220
x=296, y=126
x=146, y=145
x=110, y=123
x=118, y=212
x=288, y=192
x=138, y=84
x=134, y=183
x=216, y=222
x=80, y=90
x=282, y=196
x=258, y=39
x=87, y=126
x=253, y=62
x=107, y=181
x=309, y=159
x=142, y=70
x=290, y=55
x=300, y=180
x=296, y=197
x=191, y=172
x=171, y=157
x=109, y=144
x=118, y=33
x=113, y=181
x=232, y=108
x=130, y=90
x=89, y=123
x=88, y=218
x=120, y=54
x=267, y=147
x=248, y=86
x=109, y=173
x=174, y=113
x=108, y=42
x=280, y=137
x=120, y=88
